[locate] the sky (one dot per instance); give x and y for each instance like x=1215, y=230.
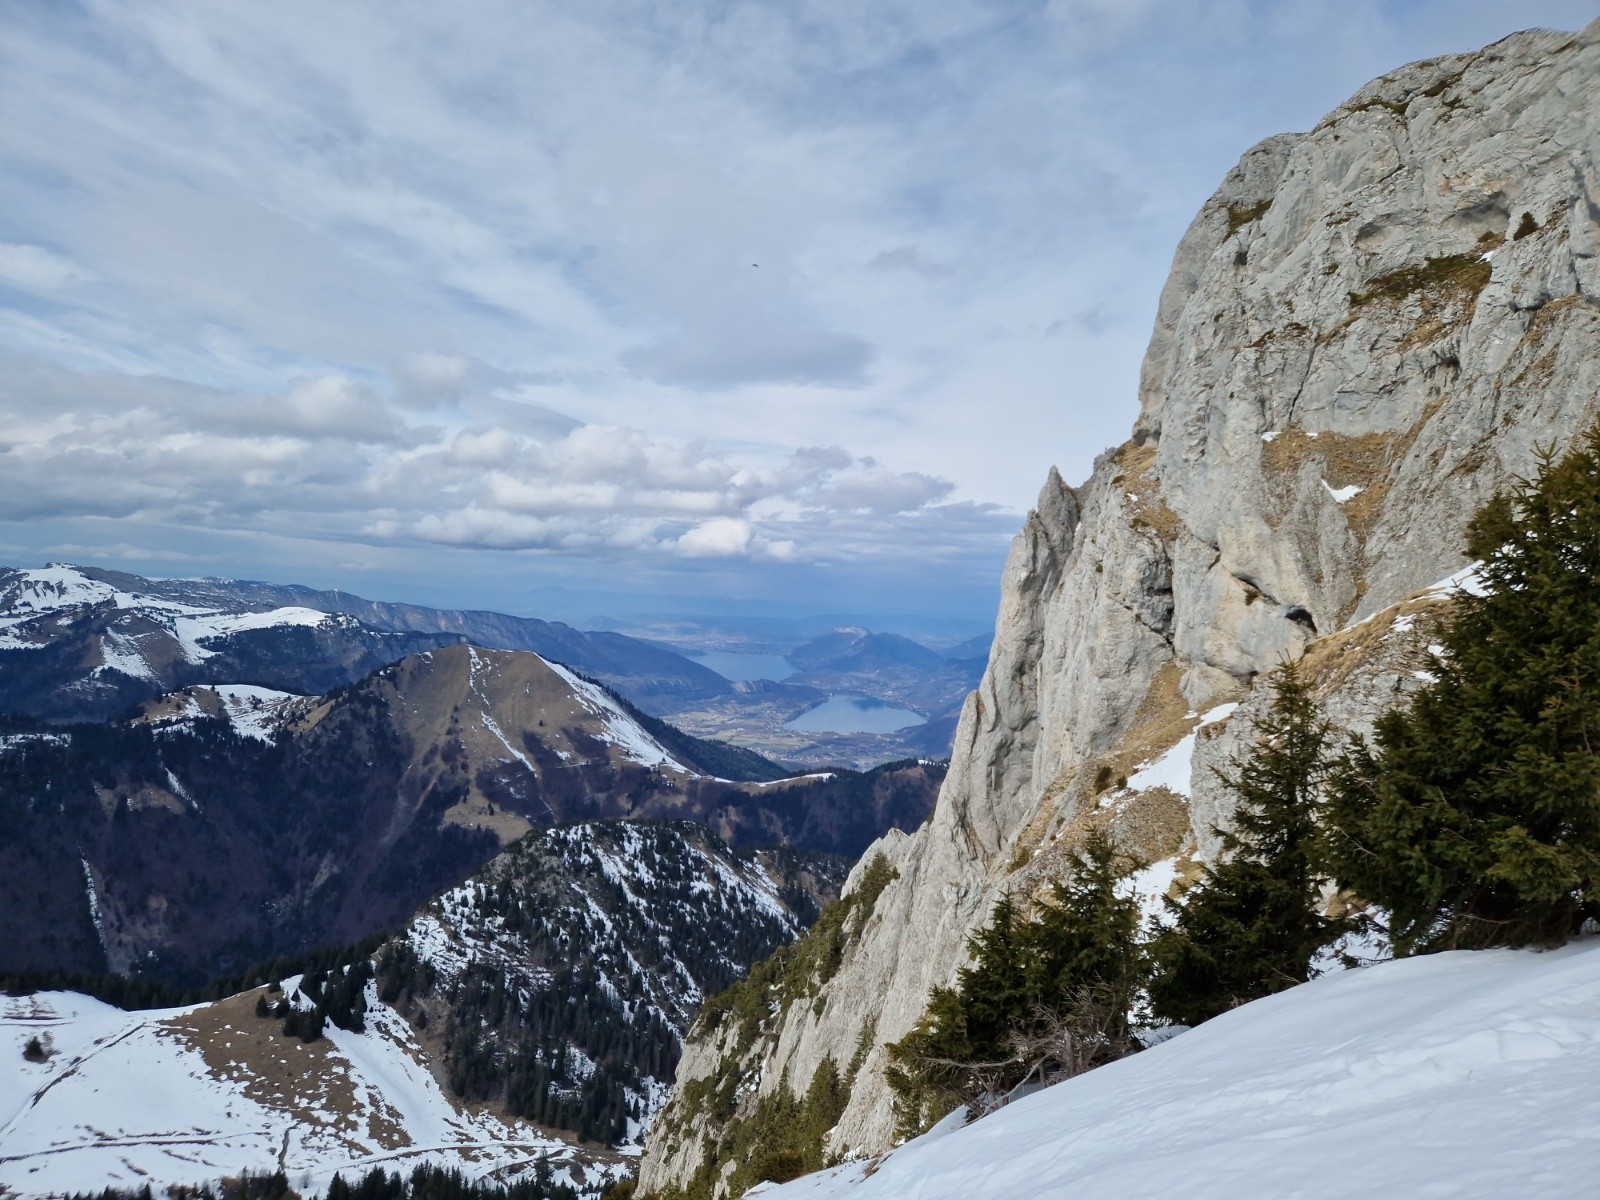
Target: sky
x=783, y=307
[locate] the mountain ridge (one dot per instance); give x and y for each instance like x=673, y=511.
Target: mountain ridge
x=462, y=1049
x=218, y=826
x=82, y=628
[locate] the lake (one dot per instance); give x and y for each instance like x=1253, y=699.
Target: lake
x=855, y=714
x=736, y=666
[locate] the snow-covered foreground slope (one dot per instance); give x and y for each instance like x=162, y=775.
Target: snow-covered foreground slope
x=1459, y=1075
x=191, y=1095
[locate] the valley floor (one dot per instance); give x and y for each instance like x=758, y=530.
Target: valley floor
x=1451, y=1075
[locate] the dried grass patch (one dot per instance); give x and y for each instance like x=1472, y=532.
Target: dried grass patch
x=1536, y=352
x=1137, y=466
x=1330, y=661
x=1153, y=823
x=477, y=812
x=308, y=1080
x=1436, y=282
x=1366, y=460
x=1240, y=215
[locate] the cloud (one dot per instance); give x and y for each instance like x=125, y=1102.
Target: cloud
x=375, y=274
x=40, y=269
x=908, y=258
x=868, y=488
x=426, y=379
x=331, y=406
x=721, y=537
x=328, y=457
x=730, y=357
x=123, y=552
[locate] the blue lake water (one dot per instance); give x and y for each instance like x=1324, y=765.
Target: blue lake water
x=737, y=667
x=855, y=714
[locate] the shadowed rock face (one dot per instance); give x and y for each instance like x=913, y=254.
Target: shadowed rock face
x=1367, y=330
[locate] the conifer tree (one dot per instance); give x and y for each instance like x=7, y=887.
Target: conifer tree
x=1049, y=995
x=1251, y=925
x=1473, y=818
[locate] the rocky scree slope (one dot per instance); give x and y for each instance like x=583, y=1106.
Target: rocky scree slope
x=1366, y=331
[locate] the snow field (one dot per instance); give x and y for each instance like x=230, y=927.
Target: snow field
x=127, y=1098
x=254, y=711
x=621, y=729
x=1465, y=1075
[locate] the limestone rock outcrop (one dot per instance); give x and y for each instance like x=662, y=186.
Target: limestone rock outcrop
x=1367, y=331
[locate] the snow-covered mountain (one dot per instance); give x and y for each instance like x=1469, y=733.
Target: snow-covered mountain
x=85, y=643
x=554, y=985
x=77, y=647
x=190, y=1095
x=558, y=982
x=1468, y=1074
x=92, y=641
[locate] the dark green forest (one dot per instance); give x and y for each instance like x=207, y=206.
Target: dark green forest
x=423, y=1183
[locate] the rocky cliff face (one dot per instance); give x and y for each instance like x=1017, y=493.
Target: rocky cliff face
x=1367, y=331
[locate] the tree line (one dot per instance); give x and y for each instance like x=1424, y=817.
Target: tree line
x=423, y=1183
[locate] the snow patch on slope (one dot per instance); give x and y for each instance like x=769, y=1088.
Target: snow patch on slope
x=119, y=652
x=94, y=903
x=1150, y=885
x=1174, y=770
x=60, y=589
x=254, y=711
x=198, y=626
x=621, y=730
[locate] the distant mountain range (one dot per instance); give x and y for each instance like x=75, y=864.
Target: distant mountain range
x=198, y=776
x=849, y=661
x=86, y=643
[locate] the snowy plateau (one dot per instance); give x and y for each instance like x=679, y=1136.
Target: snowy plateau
x=1467, y=1074
x=194, y=1094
